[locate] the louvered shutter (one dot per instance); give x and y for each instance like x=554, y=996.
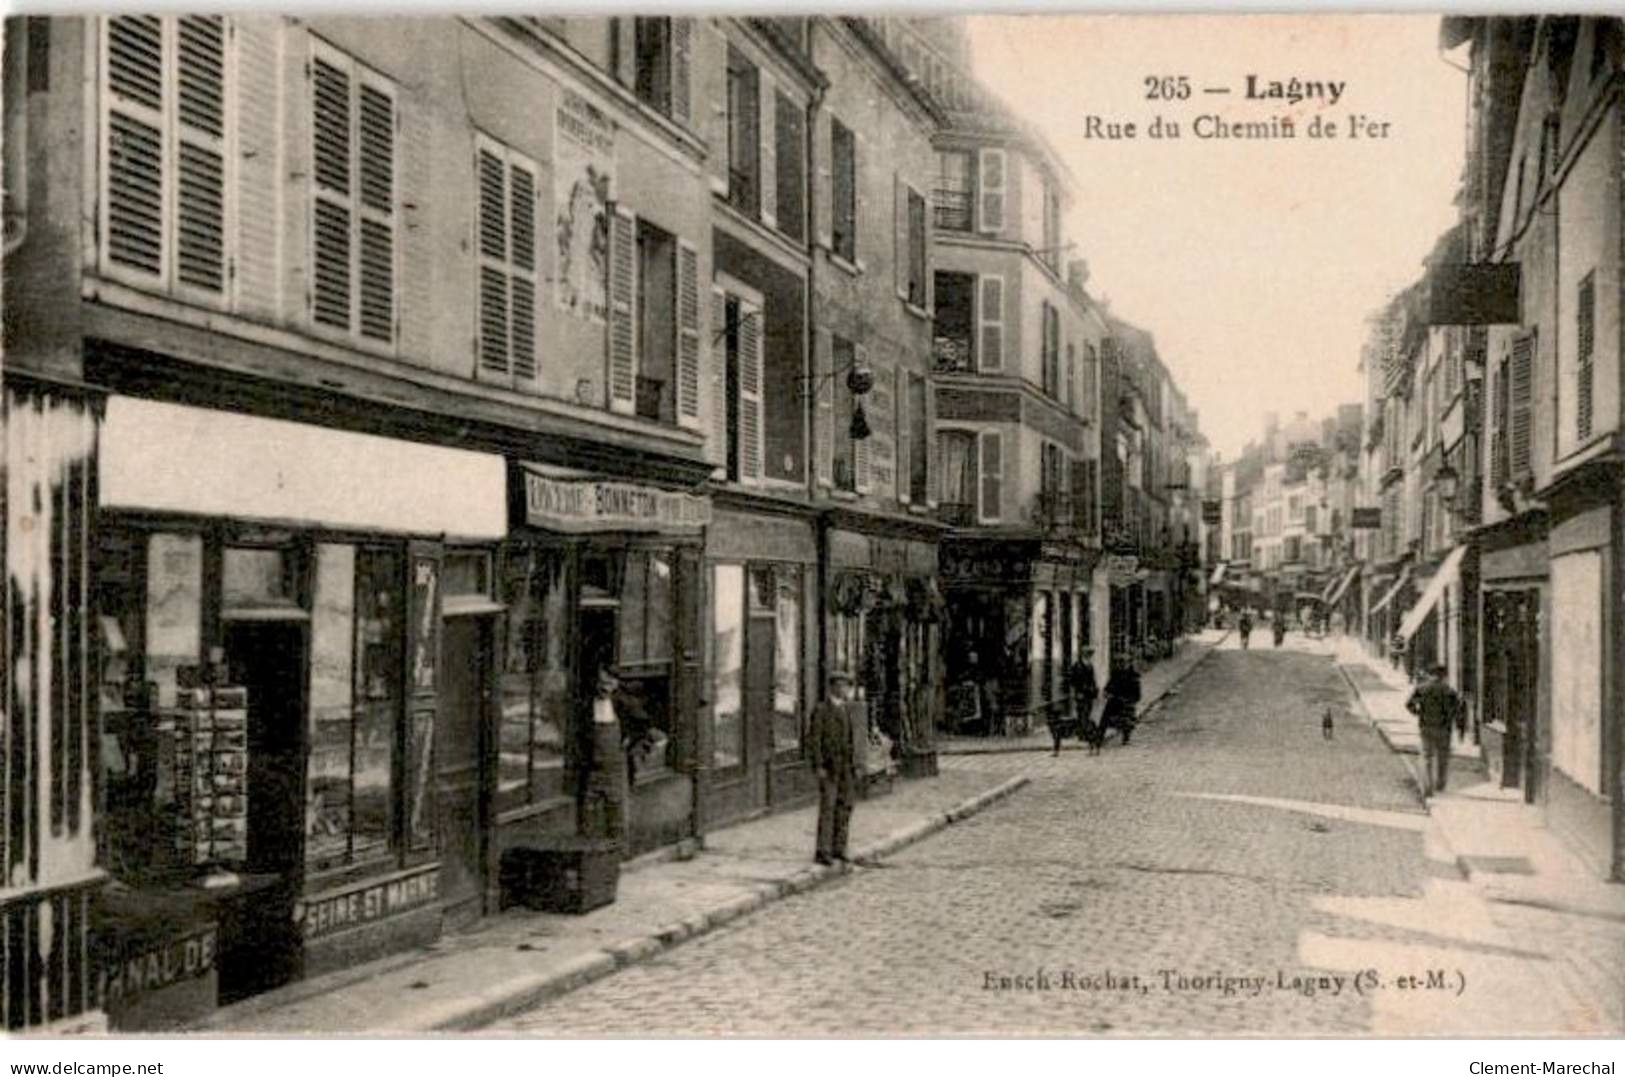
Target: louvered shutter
x=136, y=191
x=491, y=177
x=990, y=190
x=331, y=178
x=933, y=462
x=717, y=334
x=621, y=375
x=522, y=196
x=824, y=428
x=688, y=335
x=200, y=156
x=861, y=454
x=682, y=36
x=750, y=392
x=990, y=323
x=900, y=437
x=258, y=162
x=901, y=252
x=375, y=126
x=1521, y=389
x=1585, y=345
x=992, y=471
x=767, y=120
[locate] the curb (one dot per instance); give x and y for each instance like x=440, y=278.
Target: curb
x=529, y=992
x=1408, y=758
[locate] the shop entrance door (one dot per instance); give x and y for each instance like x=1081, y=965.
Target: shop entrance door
x=463, y=769
x=260, y=947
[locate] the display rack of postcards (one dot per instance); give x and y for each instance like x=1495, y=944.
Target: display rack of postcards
x=211, y=775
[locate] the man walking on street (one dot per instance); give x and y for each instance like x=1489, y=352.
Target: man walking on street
x=1245, y=627
x=837, y=750
x=1437, y=708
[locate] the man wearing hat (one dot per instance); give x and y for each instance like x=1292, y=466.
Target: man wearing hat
x=1437, y=707
x=1085, y=690
x=838, y=741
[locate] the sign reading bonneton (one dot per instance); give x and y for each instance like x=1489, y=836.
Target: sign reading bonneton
x=567, y=505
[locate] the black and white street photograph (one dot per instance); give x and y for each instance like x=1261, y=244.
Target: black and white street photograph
x=824, y=526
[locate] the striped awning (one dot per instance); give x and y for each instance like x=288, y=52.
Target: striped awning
x=1218, y=573
x=1448, y=571
x=1342, y=585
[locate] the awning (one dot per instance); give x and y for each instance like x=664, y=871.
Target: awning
x=1218, y=573
x=1430, y=595
x=1343, y=585
x=1404, y=578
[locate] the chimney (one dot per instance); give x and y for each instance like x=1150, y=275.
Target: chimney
x=1077, y=274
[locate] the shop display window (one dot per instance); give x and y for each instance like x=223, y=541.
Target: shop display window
x=846, y=643
x=728, y=602
x=257, y=579
x=357, y=642
x=645, y=650
x=537, y=700
x=787, y=659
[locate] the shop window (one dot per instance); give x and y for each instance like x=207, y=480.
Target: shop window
x=787, y=659
x=846, y=643
x=356, y=670
x=537, y=700
x=728, y=600
x=644, y=650
x=257, y=579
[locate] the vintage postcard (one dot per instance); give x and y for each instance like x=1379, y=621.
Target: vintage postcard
x=727, y=525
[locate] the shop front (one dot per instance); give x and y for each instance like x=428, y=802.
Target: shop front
x=883, y=621
x=761, y=660
x=597, y=574
x=1019, y=614
x=1514, y=573
x=277, y=614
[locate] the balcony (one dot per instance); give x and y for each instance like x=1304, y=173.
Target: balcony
x=953, y=210
x=951, y=355
x=1053, y=511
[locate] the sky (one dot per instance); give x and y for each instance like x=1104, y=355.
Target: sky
x=1254, y=263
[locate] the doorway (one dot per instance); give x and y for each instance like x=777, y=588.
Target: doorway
x=463, y=770
x=260, y=944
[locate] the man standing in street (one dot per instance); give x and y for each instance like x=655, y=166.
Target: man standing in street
x=1437, y=708
x=838, y=745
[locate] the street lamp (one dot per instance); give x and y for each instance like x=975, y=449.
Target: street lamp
x=1447, y=484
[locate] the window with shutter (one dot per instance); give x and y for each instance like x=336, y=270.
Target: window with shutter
x=789, y=155
x=505, y=222
x=1585, y=344
x=750, y=392
x=164, y=178
x=843, y=180
x=824, y=428
x=862, y=448
x=622, y=361
x=990, y=190
x=688, y=334
x=662, y=55
x=1521, y=407
x=992, y=473
x=1499, y=460
x=353, y=195
x=990, y=319
x=724, y=418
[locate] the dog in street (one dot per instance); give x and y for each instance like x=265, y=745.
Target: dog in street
x=1326, y=724
x=1093, y=734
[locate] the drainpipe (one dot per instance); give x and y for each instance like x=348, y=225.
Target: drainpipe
x=814, y=105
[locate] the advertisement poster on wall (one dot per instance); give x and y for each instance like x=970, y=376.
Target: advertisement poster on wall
x=584, y=183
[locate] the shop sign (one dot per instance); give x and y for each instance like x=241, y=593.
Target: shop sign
x=973, y=568
x=1365, y=518
x=1212, y=511
x=332, y=913
x=161, y=965
x=565, y=505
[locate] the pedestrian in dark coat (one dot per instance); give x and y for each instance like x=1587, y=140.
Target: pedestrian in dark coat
x=1437, y=707
x=1084, y=688
x=1122, y=695
x=838, y=740
x=1245, y=627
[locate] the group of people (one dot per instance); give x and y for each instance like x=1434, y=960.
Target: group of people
x=1244, y=629
x=1122, y=697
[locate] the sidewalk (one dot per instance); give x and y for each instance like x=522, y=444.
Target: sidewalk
x=519, y=958
x=1536, y=888
x=1155, y=685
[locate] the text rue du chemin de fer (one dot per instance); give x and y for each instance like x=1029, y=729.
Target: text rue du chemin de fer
x=1256, y=108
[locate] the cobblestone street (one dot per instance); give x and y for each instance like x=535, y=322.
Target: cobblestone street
x=1175, y=886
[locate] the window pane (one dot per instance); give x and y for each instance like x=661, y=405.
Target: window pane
x=256, y=578
x=536, y=699
x=634, y=606
x=327, y=795
x=728, y=598
x=174, y=609
x=464, y=574
x=787, y=661
x=379, y=641
x=658, y=615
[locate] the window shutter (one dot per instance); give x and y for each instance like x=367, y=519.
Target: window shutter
x=861, y=456
x=1521, y=387
x=824, y=429
x=258, y=163
x=933, y=463
x=200, y=188
x=750, y=392
x=901, y=252
x=767, y=122
x=376, y=145
x=1585, y=343
x=901, y=439
x=135, y=176
x=522, y=260
x=688, y=335
x=990, y=187
x=682, y=36
x=992, y=469
x=990, y=319
x=495, y=359
x=331, y=173
x=717, y=334
x=621, y=378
